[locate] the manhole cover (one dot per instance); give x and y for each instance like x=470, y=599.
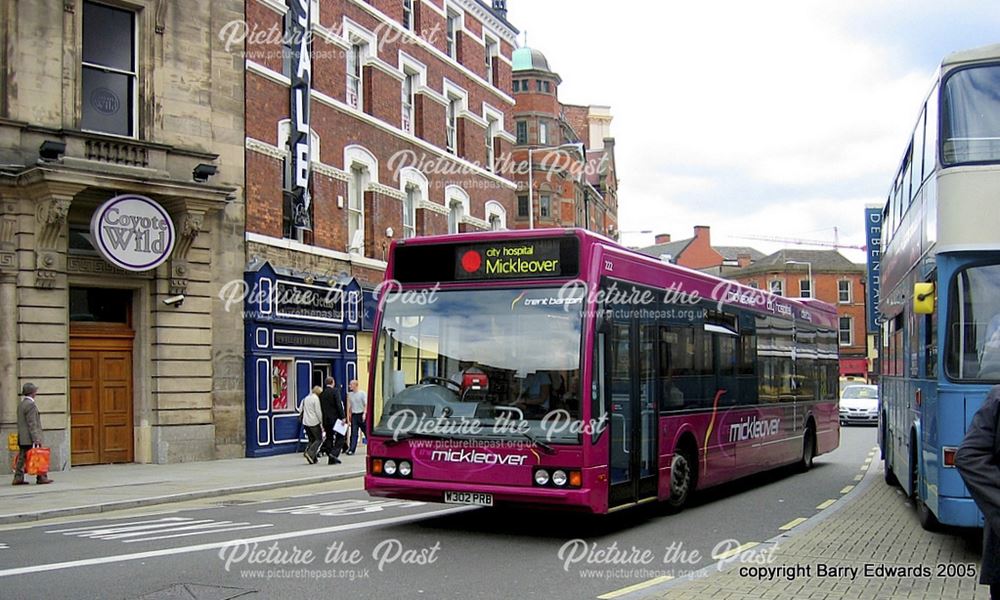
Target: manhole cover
x=194, y=591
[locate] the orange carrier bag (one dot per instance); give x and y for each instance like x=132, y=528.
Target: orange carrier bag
x=37, y=462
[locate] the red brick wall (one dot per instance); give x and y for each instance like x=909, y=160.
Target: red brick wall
x=263, y=197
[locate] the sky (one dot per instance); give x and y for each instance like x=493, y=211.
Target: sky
x=779, y=118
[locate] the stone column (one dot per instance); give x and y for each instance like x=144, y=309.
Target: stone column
x=8, y=320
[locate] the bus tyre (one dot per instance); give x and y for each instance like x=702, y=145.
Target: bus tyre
x=683, y=478
x=808, y=450
x=888, y=474
x=927, y=519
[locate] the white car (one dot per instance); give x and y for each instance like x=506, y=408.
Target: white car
x=859, y=405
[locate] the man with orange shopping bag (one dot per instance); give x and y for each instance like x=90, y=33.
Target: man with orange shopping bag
x=29, y=433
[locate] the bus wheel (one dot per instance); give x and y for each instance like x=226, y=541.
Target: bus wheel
x=888, y=474
x=683, y=477
x=808, y=450
x=927, y=519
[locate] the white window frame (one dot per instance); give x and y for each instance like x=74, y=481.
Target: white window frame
x=408, y=116
x=545, y=200
x=494, y=125
x=543, y=131
x=414, y=186
x=492, y=51
x=355, y=84
x=780, y=287
x=840, y=292
x=802, y=293
x=358, y=158
x=409, y=15
x=458, y=101
x=454, y=22
x=496, y=215
x=456, y=197
x=850, y=331
x=132, y=75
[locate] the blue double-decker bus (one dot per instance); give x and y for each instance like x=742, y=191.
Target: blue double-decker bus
x=940, y=286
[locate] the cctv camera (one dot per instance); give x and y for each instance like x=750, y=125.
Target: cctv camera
x=174, y=300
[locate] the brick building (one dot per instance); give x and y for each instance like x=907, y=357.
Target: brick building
x=698, y=253
x=402, y=110
x=835, y=280
x=569, y=179
x=121, y=145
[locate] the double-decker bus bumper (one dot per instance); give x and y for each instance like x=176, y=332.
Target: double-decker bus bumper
x=433, y=491
x=958, y=512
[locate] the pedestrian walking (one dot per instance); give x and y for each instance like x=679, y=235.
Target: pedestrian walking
x=978, y=461
x=29, y=433
x=312, y=417
x=357, y=400
x=332, y=400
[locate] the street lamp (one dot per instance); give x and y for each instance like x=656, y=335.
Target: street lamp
x=531, y=175
x=810, y=275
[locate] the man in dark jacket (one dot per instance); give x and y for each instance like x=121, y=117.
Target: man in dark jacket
x=332, y=402
x=978, y=461
x=29, y=433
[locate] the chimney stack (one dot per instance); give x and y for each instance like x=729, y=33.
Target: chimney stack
x=703, y=232
x=500, y=8
x=743, y=259
x=663, y=238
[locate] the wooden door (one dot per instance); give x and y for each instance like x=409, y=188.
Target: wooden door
x=101, y=395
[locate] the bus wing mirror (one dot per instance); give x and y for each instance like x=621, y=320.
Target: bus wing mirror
x=923, y=298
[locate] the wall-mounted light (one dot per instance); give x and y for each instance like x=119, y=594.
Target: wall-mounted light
x=51, y=150
x=203, y=171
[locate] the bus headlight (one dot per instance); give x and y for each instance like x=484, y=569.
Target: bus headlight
x=405, y=468
x=390, y=467
x=541, y=477
x=559, y=478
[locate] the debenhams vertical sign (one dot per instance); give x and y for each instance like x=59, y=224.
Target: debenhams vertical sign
x=133, y=232
x=298, y=36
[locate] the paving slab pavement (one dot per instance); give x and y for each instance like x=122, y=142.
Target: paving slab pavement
x=102, y=488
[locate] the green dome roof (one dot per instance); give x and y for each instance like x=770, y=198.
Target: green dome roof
x=527, y=59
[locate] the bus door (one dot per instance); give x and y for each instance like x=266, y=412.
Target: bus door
x=631, y=403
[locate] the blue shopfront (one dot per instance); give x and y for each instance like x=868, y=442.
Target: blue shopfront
x=300, y=329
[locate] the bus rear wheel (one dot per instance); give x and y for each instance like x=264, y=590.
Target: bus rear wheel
x=683, y=478
x=924, y=515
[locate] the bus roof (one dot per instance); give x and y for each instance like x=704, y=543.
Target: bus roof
x=974, y=55
x=589, y=237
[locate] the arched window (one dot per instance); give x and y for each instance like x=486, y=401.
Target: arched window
x=362, y=168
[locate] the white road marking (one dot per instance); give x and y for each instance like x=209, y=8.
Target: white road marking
x=216, y=545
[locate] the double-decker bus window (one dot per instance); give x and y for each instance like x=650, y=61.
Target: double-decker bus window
x=970, y=116
x=918, y=153
x=931, y=134
x=974, y=325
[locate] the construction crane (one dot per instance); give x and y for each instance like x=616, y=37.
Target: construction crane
x=800, y=242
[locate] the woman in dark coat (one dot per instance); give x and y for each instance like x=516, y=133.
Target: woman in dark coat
x=978, y=461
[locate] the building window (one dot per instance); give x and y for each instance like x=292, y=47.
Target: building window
x=455, y=214
x=517, y=85
x=753, y=284
x=356, y=211
x=491, y=136
x=452, y=125
x=846, y=331
x=538, y=85
x=546, y=87
x=777, y=287
x=354, y=88
x=495, y=223
x=805, y=288
x=492, y=51
x=522, y=133
x=544, y=205
x=408, y=14
x=453, y=25
x=543, y=132
x=410, y=212
x=407, y=119
x=109, y=70
x=522, y=206
x=844, y=291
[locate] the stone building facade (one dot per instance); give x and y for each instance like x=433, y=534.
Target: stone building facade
x=139, y=102
x=409, y=108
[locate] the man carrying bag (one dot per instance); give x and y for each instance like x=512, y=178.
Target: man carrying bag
x=333, y=412
x=29, y=434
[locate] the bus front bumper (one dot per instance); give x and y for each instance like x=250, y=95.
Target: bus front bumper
x=581, y=499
